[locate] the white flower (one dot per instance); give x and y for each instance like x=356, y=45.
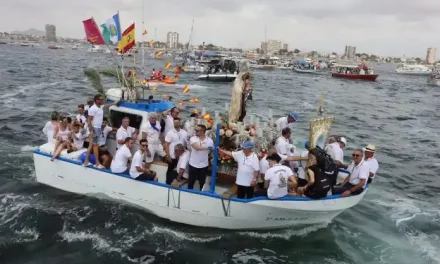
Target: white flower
x=228, y=133
x=222, y=132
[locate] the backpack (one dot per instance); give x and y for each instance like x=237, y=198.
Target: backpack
x=323, y=160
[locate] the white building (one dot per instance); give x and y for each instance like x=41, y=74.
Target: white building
x=172, y=39
x=51, y=34
x=431, y=55
x=350, y=52
x=273, y=46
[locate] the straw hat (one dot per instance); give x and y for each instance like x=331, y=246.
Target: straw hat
x=370, y=148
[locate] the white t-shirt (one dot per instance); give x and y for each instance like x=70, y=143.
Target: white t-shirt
x=48, y=130
x=359, y=172
x=264, y=163
x=98, y=115
x=335, y=152
x=246, y=167
x=78, y=140
x=81, y=118
x=102, y=138
x=373, y=165
x=137, y=161
x=302, y=165
x=120, y=161
x=123, y=133
x=169, y=124
x=152, y=134
x=183, y=164
x=199, y=158
x=282, y=145
x=278, y=176
x=281, y=123
x=174, y=137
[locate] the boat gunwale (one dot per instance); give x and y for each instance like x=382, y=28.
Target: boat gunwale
x=205, y=193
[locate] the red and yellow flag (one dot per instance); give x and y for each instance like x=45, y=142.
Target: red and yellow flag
x=167, y=66
x=145, y=32
x=185, y=89
x=128, y=40
x=194, y=100
x=151, y=43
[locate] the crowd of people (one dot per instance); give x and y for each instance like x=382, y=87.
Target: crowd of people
x=282, y=171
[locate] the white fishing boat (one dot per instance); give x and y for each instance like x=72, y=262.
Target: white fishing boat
x=305, y=70
x=285, y=66
x=434, y=77
x=213, y=206
x=75, y=47
x=218, y=77
x=410, y=69
x=194, y=68
x=95, y=49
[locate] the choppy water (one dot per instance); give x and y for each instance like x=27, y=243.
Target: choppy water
x=397, y=222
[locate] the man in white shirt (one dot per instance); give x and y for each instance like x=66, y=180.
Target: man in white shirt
x=277, y=177
x=170, y=115
x=175, y=136
x=283, y=142
x=356, y=181
x=151, y=132
x=199, y=158
x=181, y=169
x=248, y=168
x=138, y=171
x=371, y=160
x=95, y=119
x=122, y=157
x=285, y=121
x=125, y=131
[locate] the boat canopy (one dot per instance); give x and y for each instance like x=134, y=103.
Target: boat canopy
x=205, y=53
x=302, y=62
x=345, y=66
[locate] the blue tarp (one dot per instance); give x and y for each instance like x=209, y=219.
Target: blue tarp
x=302, y=62
x=205, y=53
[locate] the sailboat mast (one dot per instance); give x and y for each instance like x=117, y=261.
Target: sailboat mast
x=190, y=35
x=143, y=38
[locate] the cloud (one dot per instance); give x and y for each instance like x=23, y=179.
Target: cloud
x=384, y=27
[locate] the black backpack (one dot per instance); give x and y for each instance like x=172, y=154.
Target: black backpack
x=323, y=160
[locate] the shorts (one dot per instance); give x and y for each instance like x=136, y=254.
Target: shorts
x=145, y=177
x=86, y=144
x=98, y=131
x=154, y=149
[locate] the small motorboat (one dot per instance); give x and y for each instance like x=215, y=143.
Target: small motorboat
x=166, y=80
x=434, y=77
x=218, y=77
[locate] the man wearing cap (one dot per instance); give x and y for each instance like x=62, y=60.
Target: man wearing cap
x=276, y=178
x=371, y=161
x=285, y=121
x=247, y=171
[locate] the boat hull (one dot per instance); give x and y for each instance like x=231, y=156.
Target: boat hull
x=414, y=73
x=217, y=77
x=434, y=82
x=204, y=209
x=305, y=71
x=365, y=77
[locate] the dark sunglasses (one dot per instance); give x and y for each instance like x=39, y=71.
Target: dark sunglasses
x=143, y=145
x=356, y=155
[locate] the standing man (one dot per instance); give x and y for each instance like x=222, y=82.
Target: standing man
x=151, y=132
x=94, y=121
x=284, y=122
x=173, y=137
x=126, y=131
x=199, y=158
x=170, y=116
x=247, y=171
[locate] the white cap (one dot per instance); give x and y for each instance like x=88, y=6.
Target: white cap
x=343, y=140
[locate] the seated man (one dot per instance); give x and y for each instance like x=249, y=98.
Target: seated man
x=276, y=178
x=122, y=157
x=125, y=131
x=356, y=181
x=181, y=170
x=138, y=171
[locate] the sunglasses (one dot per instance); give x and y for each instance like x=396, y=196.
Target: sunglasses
x=143, y=145
x=356, y=155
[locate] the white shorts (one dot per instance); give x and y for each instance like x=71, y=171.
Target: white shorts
x=154, y=149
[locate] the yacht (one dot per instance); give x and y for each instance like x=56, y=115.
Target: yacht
x=96, y=49
x=410, y=69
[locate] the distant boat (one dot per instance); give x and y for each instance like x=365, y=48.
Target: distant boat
x=55, y=47
x=75, y=47
x=410, y=69
x=353, y=72
x=3, y=42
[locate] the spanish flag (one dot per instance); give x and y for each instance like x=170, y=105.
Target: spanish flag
x=128, y=41
x=151, y=43
x=194, y=100
x=158, y=53
x=154, y=88
x=145, y=32
x=181, y=102
x=185, y=89
x=167, y=66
